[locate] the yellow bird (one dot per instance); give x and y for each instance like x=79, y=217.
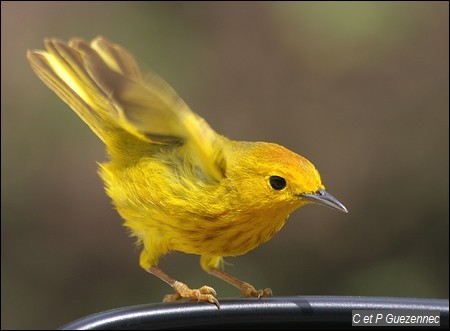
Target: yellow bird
x=178, y=184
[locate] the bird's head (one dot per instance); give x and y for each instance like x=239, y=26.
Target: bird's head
x=279, y=178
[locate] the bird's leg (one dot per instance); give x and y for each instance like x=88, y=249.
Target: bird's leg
x=204, y=293
x=247, y=289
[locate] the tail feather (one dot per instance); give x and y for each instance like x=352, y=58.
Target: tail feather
x=63, y=71
x=102, y=83
x=116, y=57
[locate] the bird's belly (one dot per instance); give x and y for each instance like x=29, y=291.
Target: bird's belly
x=230, y=238
x=164, y=225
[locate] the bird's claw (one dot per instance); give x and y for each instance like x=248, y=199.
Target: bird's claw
x=249, y=291
x=204, y=293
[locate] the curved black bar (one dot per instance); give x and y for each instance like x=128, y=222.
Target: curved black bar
x=316, y=312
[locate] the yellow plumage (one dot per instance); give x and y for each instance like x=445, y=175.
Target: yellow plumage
x=177, y=183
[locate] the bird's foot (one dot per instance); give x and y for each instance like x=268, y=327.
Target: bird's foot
x=249, y=291
x=204, y=293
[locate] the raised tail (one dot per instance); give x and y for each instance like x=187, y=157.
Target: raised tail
x=102, y=83
x=64, y=68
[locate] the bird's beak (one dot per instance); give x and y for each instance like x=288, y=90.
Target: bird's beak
x=324, y=198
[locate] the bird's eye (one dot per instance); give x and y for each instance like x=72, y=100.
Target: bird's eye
x=277, y=182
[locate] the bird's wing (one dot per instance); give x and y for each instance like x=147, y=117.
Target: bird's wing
x=101, y=81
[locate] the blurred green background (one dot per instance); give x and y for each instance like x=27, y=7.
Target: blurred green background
x=360, y=89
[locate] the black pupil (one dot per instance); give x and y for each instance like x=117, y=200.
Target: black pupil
x=277, y=182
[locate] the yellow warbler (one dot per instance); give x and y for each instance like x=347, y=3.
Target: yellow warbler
x=178, y=185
